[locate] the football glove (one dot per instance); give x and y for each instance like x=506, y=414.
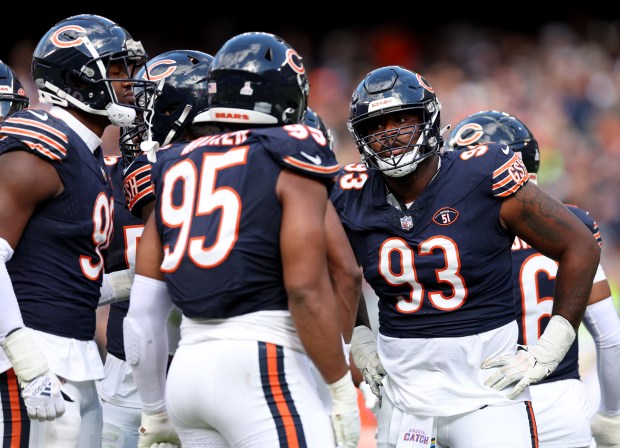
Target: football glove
x=156, y=431
x=606, y=430
x=345, y=412
x=532, y=363
x=40, y=387
x=366, y=358
x=116, y=286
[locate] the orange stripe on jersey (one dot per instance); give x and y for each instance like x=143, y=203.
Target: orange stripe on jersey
x=34, y=135
x=511, y=190
x=505, y=166
x=140, y=195
x=278, y=395
x=333, y=169
x=38, y=124
x=144, y=180
x=138, y=171
x=501, y=183
x=42, y=149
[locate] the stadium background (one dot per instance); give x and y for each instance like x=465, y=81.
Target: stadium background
x=559, y=73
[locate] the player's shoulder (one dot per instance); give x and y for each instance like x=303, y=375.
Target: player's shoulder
x=300, y=148
x=585, y=217
x=494, y=161
x=36, y=131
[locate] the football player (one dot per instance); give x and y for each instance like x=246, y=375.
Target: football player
x=56, y=211
x=433, y=234
x=177, y=95
x=239, y=237
x=559, y=400
x=13, y=97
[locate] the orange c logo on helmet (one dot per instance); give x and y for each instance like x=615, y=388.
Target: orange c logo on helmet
x=296, y=65
x=473, y=138
x=167, y=72
x=77, y=41
x=423, y=83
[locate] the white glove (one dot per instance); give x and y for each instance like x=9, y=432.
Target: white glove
x=366, y=358
x=116, y=286
x=40, y=387
x=345, y=412
x=532, y=363
x=371, y=401
x=156, y=431
x=606, y=430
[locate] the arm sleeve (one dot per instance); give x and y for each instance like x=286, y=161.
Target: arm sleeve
x=146, y=340
x=601, y=320
x=11, y=315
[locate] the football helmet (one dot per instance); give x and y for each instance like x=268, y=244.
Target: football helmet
x=499, y=127
x=178, y=93
x=313, y=120
x=256, y=79
x=393, y=89
x=12, y=94
x=70, y=66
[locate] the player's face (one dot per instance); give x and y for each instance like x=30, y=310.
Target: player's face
x=393, y=134
x=123, y=88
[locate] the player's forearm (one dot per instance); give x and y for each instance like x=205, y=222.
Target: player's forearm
x=313, y=315
x=577, y=267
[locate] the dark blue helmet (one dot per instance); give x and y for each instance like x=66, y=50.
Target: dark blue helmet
x=12, y=94
x=499, y=127
x=178, y=93
x=394, y=89
x=70, y=65
x=256, y=79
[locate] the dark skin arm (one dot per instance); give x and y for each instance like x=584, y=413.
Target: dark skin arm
x=311, y=299
x=149, y=253
x=554, y=231
x=344, y=271
x=25, y=181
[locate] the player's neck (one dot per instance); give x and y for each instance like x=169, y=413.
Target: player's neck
x=408, y=188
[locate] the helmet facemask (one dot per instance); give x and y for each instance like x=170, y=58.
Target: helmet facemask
x=398, y=151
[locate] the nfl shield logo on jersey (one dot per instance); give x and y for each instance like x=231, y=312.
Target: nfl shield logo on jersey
x=406, y=223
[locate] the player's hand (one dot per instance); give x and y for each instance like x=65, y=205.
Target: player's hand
x=533, y=363
x=345, y=412
x=606, y=430
x=371, y=401
x=43, y=398
x=40, y=387
x=366, y=358
x=156, y=431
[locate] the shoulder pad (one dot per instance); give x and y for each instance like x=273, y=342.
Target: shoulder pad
x=35, y=131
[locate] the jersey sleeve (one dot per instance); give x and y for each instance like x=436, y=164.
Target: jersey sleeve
x=509, y=172
x=138, y=186
x=302, y=149
x=587, y=219
x=33, y=132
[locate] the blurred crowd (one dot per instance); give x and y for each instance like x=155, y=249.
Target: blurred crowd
x=561, y=80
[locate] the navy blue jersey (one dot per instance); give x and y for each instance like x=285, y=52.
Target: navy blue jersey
x=57, y=267
x=219, y=217
x=442, y=268
x=137, y=185
x=121, y=254
x=534, y=282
